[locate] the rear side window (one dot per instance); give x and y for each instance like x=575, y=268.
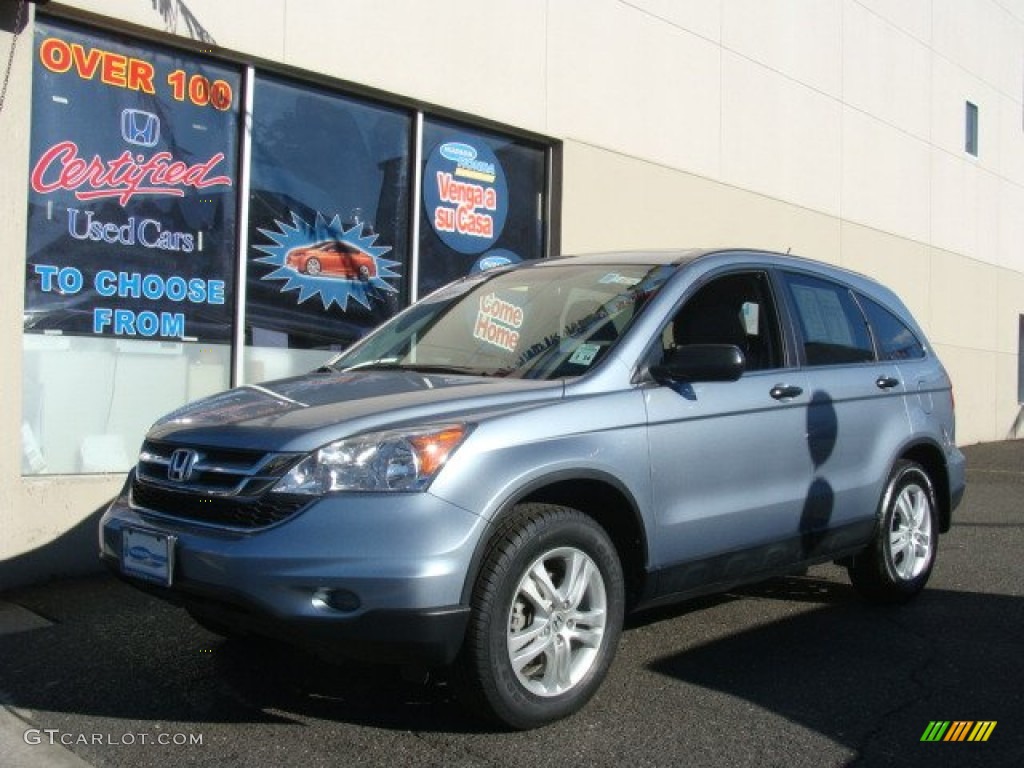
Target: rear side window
x=894, y=339
x=832, y=327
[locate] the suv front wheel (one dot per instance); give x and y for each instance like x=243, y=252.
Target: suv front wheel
x=547, y=614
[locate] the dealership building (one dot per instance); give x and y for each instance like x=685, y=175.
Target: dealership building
x=201, y=194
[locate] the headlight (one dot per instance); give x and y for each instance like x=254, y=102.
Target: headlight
x=397, y=460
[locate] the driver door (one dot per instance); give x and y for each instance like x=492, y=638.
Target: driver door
x=730, y=463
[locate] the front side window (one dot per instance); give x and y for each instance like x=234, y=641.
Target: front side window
x=832, y=328
x=735, y=309
x=541, y=323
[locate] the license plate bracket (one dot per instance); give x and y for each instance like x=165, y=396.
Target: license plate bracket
x=148, y=555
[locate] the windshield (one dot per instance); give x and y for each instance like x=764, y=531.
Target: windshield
x=533, y=323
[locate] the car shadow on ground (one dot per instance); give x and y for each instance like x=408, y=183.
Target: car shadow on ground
x=115, y=652
x=272, y=677
x=863, y=676
x=873, y=677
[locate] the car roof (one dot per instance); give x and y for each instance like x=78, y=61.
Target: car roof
x=710, y=258
x=651, y=257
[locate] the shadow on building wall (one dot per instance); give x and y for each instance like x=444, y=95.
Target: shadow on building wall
x=180, y=20
x=1018, y=424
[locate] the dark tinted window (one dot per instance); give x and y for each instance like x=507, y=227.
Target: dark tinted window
x=894, y=339
x=833, y=329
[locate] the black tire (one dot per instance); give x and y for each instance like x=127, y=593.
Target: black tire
x=364, y=272
x=899, y=560
x=567, y=644
x=313, y=267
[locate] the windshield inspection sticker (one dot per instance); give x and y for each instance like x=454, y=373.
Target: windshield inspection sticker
x=585, y=354
x=614, y=278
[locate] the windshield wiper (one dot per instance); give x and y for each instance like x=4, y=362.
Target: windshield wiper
x=393, y=365
x=372, y=365
x=456, y=369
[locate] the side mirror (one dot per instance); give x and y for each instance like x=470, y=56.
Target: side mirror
x=700, y=362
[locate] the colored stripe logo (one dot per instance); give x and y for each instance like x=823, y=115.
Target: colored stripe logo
x=958, y=730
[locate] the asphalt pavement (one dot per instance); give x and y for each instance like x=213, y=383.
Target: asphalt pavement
x=791, y=672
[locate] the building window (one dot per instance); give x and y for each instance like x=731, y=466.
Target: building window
x=483, y=202
x=193, y=225
x=971, y=129
x=328, y=224
x=130, y=258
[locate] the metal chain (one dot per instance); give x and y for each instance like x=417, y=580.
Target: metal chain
x=10, y=56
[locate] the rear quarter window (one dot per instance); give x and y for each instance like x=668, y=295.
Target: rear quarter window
x=894, y=339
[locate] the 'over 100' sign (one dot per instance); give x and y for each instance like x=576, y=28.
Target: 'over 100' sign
x=131, y=189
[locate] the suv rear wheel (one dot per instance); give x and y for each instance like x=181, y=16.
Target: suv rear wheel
x=547, y=614
x=897, y=564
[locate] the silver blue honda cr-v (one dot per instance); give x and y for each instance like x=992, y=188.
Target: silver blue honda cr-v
x=499, y=473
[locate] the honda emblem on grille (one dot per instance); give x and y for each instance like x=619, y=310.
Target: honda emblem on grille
x=179, y=469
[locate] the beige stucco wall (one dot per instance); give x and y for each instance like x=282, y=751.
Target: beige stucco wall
x=969, y=308
x=37, y=516
x=831, y=128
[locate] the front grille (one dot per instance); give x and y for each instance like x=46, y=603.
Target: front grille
x=220, y=471
x=216, y=486
x=216, y=510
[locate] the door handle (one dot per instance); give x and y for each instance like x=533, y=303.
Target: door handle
x=886, y=382
x=784, y=392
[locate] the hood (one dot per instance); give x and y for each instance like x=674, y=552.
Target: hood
x=305, y=412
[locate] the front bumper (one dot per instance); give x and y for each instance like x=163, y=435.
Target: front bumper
x=394, y=565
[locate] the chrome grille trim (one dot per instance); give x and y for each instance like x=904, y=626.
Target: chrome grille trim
x=227, y=488
x=216, y=471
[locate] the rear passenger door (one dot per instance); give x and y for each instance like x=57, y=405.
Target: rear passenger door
x=857, y=413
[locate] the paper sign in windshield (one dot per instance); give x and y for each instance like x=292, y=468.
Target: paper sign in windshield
x=498, y=322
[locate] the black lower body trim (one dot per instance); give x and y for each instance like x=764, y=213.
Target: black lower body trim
x=429, y=637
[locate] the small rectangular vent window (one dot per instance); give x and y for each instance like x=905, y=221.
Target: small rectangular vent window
x=971, y=129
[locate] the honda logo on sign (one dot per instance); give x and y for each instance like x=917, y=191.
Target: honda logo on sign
x=138, y=127
x=180, y=467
